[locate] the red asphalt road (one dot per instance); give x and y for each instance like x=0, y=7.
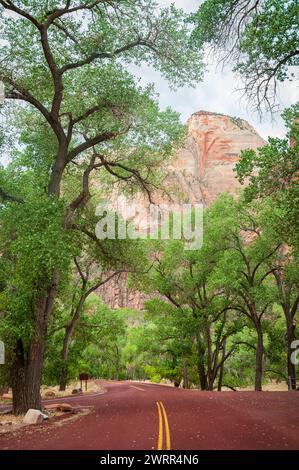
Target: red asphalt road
x=126, y=417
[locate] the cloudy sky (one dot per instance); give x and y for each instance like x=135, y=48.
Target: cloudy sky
x=217, y=92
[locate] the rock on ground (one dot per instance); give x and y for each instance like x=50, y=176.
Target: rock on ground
x=34, y=417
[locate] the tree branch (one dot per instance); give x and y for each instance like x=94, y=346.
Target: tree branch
x=53, y=15
x=8, y=5
x=8, y=197
x=91, y=143
x=21, y=93
x=83, y=277
x=99, y=55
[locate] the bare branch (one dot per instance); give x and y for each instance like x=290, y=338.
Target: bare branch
x=20, y=93
x=58, y=13
x=83, y=277
x=133, y=173
x=59, y=24
x=99, y=55
x=8, y=5
x=92, y=142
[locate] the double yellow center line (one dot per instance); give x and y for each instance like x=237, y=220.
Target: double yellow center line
x=163, y=423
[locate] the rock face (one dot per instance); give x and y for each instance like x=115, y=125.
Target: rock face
x=205, y=167
x=116, y=294
x=202, y=170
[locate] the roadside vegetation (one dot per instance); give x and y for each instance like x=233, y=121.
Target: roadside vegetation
x=76, y=126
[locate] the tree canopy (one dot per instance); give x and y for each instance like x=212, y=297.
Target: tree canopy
x=260, y=37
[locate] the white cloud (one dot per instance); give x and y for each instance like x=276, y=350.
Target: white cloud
x=187, y=5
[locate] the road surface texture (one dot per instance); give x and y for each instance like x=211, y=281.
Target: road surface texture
x=145, y=416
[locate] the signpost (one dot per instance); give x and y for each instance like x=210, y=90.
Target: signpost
x=84, y=377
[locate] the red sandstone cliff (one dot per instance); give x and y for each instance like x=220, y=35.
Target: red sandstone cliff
x=202, y=170
x=204, y=167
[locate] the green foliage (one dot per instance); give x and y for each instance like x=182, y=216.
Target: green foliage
x=272, y=172
x=260, y=37
x=216, y=297
x=33, y=242
x=95, y=348
x=83, y=110
x=79, y=121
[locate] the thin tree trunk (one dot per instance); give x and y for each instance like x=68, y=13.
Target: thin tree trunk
x=64, y=355
x=290, y=338
x=68, y=337
x=65, y=350
x=289, y=309
x=185, y=376
x=202, y=376
x=63, y=379
x=117, y=363
x=221, y=372
x=259, y=358
x=210, y=380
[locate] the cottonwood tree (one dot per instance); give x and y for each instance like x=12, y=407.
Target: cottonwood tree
x=271, y=175
x=97, y=266
x=271, y=172
x=90, y=279
x=66, y=61
x=287, y=283
x=96, y=346
x=104, y=353
x=168, y=342
x=245, y=272
x=260, y=37
x=186, y=280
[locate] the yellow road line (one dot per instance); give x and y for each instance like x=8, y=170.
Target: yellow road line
x=167, y=430
x=137, y=388
x=162, y=414
x=160, y=435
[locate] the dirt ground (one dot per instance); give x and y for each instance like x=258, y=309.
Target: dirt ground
x=10, y=423
x=270, y=387
x=92, y=387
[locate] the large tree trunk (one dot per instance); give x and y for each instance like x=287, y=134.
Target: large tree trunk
x=63, y=379
x=57, y=170
x=202, y=376
x=27, y=373
x=34, y=371
x=259, y=358
x=18, y=380
x=290, y=338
